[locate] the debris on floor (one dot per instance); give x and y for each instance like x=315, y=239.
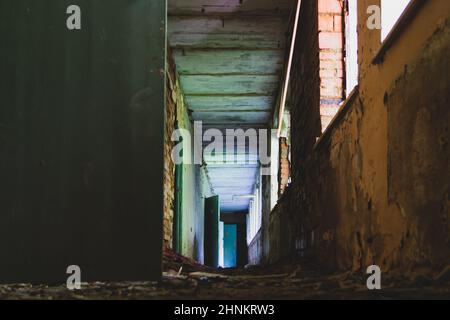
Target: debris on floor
x=188, y=280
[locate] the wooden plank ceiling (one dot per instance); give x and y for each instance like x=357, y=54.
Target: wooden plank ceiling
x=229, y=55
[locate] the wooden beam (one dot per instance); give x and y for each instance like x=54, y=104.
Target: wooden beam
x=229, y=103
x=221, y=85
x=212, y=117
x=228, y=62
x=231, y=32
x=227, y=6
x=227, y=25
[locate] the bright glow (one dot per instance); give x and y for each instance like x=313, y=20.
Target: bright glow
x=391, y=10
x=351, y=40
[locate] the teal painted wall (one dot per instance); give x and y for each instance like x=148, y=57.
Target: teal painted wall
x=230, y=245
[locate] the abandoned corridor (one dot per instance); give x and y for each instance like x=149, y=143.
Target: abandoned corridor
x=337, y=117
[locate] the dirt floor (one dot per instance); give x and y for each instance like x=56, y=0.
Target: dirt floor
x=184, y=279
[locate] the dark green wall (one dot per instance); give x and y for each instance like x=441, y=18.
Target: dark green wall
x=211, y=233
x=81, y=140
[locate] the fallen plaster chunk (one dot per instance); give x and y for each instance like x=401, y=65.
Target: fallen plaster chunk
x=210, y=276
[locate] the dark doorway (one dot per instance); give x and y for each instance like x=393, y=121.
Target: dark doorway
x=239, y=220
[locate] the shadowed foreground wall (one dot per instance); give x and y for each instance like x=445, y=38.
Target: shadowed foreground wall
x=81, y=140
x=375, y=188
x=195, y=186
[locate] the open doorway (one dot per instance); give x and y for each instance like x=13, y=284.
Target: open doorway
x=235, y=247
x=230, y=245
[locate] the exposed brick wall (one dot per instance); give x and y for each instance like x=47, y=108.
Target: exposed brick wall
x=195, y=186
x=304, y=93
x=169, y=167
x=318, y=68
x=316, y=89
x=331, y=44
x=374, y=189
x=285, y=165
x=283, y=232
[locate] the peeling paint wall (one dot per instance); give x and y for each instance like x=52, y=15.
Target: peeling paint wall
x=284, y=165
x=375, y=188
x=418, y=152
x=169, y=166
x=195, y=182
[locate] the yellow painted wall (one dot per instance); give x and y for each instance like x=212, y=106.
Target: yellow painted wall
x=375, y=189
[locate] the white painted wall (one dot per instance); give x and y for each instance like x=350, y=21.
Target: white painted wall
x=221, y=244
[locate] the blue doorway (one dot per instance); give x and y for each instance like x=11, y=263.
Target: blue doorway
x=230, y=245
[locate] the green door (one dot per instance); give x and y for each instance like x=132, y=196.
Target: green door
x=212, y=214
x=178, y=214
